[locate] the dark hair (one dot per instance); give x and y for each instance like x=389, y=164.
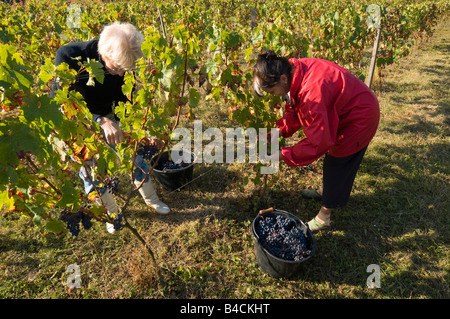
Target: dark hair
x=268, y=69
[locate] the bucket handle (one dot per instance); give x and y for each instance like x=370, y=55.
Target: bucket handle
x=267, y=210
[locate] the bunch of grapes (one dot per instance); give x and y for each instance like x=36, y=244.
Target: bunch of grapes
x=146, y=151
x=73, y=220
x=282, y=238
x=86, y=221
x=112, y=183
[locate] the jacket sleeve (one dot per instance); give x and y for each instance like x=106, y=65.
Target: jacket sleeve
x=289, y=123
x=64, y=55
x=318, y=129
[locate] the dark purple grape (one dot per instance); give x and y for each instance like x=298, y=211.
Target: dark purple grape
x=282, y=238
x=86, y=221
x=112, y=183
x=73, y=220
x=146, y=151
x=170, y=165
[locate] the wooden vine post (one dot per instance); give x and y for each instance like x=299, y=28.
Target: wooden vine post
x=373, y=21
x=374, y=58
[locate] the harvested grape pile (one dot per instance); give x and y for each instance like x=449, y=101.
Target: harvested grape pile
x=170, y=165
x=282, y=238
x=166, y=163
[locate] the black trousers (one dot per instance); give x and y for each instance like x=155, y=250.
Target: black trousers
x=338, y=177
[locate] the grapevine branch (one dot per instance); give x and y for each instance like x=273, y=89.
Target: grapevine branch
x=36, y=170
x=142, y=240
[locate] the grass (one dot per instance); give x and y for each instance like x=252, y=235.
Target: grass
x=397, y=218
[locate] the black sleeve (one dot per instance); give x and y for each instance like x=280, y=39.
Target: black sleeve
x=64, y=54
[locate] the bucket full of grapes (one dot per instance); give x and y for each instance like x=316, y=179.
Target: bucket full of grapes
x=282, y=243
x=173, y=172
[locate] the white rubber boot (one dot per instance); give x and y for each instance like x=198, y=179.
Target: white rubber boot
x=110, y=204
x=150, y=197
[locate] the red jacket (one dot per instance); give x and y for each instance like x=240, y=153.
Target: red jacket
x=338, y=112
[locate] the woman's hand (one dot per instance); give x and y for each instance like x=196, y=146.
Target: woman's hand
x=113, y=133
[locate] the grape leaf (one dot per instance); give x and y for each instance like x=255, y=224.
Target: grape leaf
x=70, y=195
x=55, y=226
x=194, y=97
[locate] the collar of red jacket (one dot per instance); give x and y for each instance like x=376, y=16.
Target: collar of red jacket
x=297, y=78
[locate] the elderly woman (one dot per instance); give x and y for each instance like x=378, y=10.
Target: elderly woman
x=339, y=115
x=118, y=48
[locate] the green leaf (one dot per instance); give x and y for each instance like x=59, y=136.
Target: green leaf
x=23, y=79
x=127, y=87
x=97, y=211
x=146, y=47
x=47, y=71
x=231, y=39
x=166, y=80
x=248, y=53
x=194, y=97
x=211, y=67
x=65, y=74
x=18, y=137
x=41, y=109
x=121, y=110
x=95, y=70
x=37, y=220
x=55, y=226
x=226, y=77
x=181, y=33
x=70, y=195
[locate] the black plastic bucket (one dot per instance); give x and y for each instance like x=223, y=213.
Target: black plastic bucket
x=172, y=179
x=273, y=265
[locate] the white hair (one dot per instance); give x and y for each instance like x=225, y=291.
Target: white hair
x=121, y=43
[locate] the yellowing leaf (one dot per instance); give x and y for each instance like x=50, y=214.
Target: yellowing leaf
x=7, y=201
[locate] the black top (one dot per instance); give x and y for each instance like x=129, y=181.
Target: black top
x=100, y=97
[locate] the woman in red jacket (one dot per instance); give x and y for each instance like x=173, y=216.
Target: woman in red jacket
x=339, y=115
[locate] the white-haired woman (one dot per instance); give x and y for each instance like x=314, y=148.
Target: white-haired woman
x=118, y=48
